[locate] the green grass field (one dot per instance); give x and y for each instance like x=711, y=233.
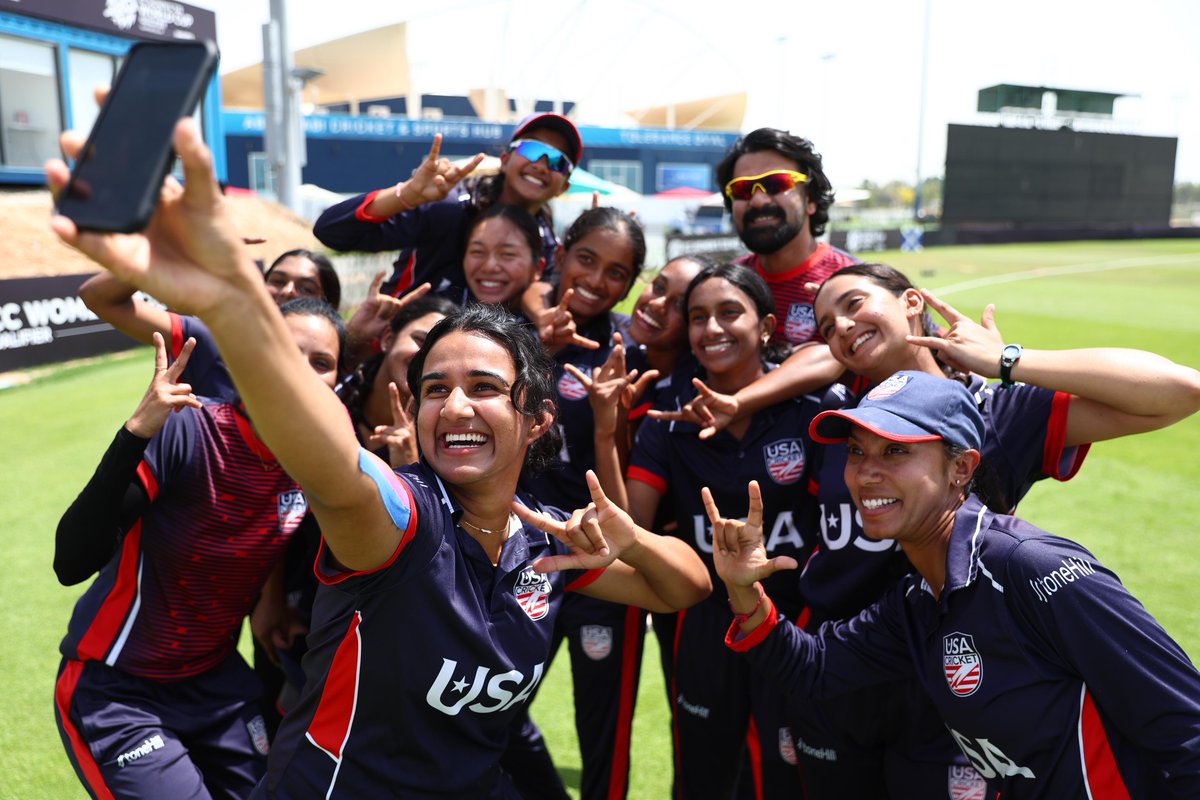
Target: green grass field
x=1134, y=503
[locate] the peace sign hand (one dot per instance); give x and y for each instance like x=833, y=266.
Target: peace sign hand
x=433, y=179
x=738, y=550
x=400, y=437
x=596, y=535
x=967, y=346
x=712, y=411
x=164, y=394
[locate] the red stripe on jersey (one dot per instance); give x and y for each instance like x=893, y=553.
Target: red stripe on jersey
x=80, y=753
x=246, y=431
x=586, y=579
x=149, y=482
x=626, y=700
x=106, y=625
x=405, y=536
x=176, y=343
x=405, y=281
x=647, y=477
x=1099, y=766
x=361, y=214
x=1056, y=436
x=639, y=411
x=330, y=726
x=754, y=750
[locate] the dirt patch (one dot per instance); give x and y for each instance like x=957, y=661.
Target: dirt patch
x=31, y=249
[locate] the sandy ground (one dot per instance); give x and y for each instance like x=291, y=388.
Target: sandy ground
x=30, y=249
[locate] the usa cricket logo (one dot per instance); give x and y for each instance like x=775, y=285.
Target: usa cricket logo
x=889, y=387
x=597, y=641
x=962, y=663
x=966, y=784
x=291, y=508
x=533, y=594
x=570, y=387
x=785, y=460
x=801, y=324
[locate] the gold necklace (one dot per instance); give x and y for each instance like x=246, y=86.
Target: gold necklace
x=487, y=531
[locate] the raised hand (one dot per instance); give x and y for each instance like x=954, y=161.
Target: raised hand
x=967, y=346
x=164, y=394
x=712, y=411
x=433, y=179
x=199, y=261
x=372, y=317
x=596, y=535
x=556, y=327
x=738, y=550
x=400, y=437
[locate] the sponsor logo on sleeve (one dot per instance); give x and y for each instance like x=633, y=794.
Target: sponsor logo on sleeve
x=596, y=640
x=147, y=747
x=291, y=507
x=1072, y=569
x=962, y=663
x=801, y=324
x=785, y=460
x=533, y=593
x=258, y=734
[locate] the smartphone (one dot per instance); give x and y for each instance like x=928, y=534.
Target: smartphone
x=116, y=179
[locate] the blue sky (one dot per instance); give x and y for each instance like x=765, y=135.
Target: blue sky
x=846, y=75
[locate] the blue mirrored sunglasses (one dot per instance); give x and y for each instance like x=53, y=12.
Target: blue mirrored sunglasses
x=532, y=150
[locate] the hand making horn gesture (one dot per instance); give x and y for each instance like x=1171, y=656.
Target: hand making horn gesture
x=712, y=411
x=556, y=327
x=433, y=179
x=967, y=346
x=596, y=535
x=738, y=550
x=612, y=390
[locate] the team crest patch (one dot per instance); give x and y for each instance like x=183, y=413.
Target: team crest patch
x=888, y=387
x=291, y=507
x=787, y=748
x=258, y=734
x=966, y=784
x=533, y=593
x=962, y=663
x=801, y=324
x=570, y=387
x=785, y=460
x=596, y=640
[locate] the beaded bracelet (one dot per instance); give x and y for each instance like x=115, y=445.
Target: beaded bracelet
x=740, y=619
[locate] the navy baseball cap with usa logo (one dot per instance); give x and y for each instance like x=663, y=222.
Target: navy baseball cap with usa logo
x=908, y=407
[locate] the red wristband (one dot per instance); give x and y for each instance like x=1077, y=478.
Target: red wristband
x=740, y=619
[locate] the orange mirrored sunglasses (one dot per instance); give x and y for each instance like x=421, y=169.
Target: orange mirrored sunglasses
x=773, y=182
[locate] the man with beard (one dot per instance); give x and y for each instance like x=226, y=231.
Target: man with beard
x=779, y=196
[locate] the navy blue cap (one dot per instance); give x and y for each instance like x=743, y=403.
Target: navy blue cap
x=909, y=407
x=554, y=122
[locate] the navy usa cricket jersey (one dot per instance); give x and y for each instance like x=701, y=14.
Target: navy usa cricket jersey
x=415, y=670
x=796, y=322
x=170, y=602
x=1055, y=682
x=1024, y=429
x=775, y=450
x=206, y=370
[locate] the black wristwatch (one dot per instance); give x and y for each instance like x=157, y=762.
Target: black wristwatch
x=1009, y=357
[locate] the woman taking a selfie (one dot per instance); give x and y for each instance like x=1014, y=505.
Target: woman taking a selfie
x=448, y=536
x=1027, y=646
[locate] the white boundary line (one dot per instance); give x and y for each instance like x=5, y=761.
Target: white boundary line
x=1069, y=269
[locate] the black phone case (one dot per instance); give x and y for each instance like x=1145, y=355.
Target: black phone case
x=88, y=215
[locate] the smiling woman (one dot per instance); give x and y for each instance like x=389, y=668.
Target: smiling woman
x=1000, y=623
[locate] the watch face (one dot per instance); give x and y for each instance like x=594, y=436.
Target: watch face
x=1010, y=354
